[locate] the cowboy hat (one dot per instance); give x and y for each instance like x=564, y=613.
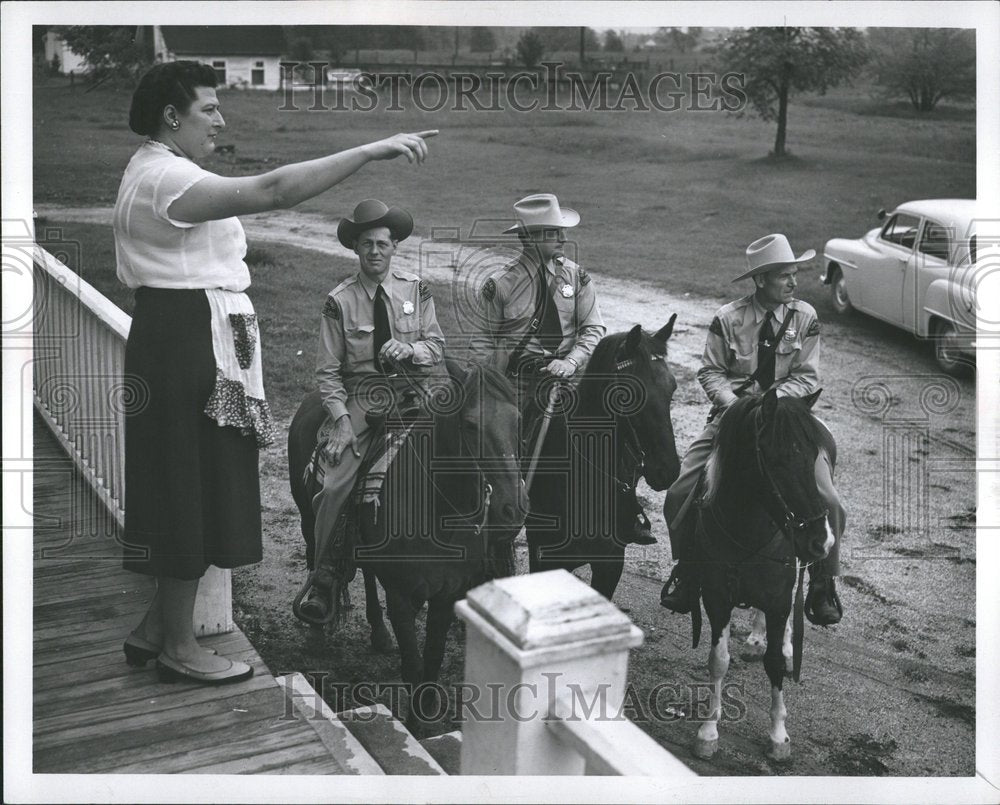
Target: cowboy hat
x=540, y=211
x=769, y=252
x=371, y=213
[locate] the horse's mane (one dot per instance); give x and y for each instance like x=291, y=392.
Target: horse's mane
x=466, y=380
x=793, y=421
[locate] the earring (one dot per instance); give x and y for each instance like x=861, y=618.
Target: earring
x=175, y=124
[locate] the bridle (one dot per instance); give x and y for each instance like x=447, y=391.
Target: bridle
x=632, y=447
x=789, y=521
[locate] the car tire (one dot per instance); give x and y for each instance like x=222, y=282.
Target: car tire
x=946, y=353
x=838, y=293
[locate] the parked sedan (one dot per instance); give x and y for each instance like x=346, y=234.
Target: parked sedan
x=914, y=271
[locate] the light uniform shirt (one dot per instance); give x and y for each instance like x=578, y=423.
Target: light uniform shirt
x=347, y=332
x=731, y=350
x=508, y=302
x=158, y=251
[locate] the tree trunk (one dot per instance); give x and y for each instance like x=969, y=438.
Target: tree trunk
x=583, y=56
x=779, y=140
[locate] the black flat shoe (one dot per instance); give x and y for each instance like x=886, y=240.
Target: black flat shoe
x=138, y=652
x=171, y=670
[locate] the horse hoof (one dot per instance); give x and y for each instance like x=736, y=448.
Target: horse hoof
x=705, y=749
x=780, y=753
x=381, y=642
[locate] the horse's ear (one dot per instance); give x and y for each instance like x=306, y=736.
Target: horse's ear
x=664, y=332
x=634, y=339
x=811, y=399
x=768, y=406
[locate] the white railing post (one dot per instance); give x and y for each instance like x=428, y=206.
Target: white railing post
x=529, y=641
x=79, y=343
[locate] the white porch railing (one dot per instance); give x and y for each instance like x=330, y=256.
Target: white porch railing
x=80, y=392
x=546, y=659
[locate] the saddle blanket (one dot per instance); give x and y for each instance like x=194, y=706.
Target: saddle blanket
x=371, y=478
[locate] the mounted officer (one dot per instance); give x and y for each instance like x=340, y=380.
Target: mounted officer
x=377, y=321
x=763, y=340
x=539, y=319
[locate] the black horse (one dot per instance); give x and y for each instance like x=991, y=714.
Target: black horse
x=430, y=548
x=616, y=429
x=760, y=513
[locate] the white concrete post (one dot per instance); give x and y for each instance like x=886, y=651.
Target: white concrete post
x=530, y=639
x=213, y=608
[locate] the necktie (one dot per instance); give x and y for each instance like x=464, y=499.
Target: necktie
x=550, y=330
x=382, y=331
x=765, y=353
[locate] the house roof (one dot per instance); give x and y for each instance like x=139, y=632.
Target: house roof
x=224, y=40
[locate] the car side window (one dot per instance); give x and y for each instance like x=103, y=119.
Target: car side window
x=901, y=229
x=934, y=240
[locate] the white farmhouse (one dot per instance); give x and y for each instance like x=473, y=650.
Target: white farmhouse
x=243, y=56
x=59, y=53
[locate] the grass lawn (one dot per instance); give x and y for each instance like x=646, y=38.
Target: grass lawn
x=669, y=198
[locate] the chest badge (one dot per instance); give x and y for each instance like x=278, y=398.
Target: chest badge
x=407, y=307
x=566, y=291
x=789, y=334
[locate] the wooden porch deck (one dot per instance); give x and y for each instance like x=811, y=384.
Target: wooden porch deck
x=93, y=713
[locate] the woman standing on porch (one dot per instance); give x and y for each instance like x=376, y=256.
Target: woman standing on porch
x=197, y=415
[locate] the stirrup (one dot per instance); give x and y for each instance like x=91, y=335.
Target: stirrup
x=827, y=595
x=673, y=585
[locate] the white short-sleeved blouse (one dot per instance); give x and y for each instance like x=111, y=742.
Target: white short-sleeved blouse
x=160, y=252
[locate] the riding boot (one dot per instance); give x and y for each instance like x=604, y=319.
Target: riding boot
x=823, y=606
x=680, y=593
x=318, y=601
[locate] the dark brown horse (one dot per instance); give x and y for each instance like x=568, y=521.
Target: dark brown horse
x=614, y=430
x=760, y=514
x=452, y=502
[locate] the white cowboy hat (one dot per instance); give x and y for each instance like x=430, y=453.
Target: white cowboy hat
x=540, y=211
x=770, y=252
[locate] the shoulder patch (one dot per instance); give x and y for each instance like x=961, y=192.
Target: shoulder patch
x=813, y=329
x=489, y=290
x=425, y=291
x=584, y=278
x=331, y=309
x=715, y=328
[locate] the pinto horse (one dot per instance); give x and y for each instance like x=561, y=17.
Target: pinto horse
x=446, y=518
x=760, y=515
x=616, y=430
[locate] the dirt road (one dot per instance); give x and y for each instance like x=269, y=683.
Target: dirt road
x=889, y=691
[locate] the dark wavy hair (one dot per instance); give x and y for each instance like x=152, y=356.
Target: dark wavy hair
x=172, y=83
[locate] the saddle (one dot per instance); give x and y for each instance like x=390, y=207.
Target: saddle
x=324, y=596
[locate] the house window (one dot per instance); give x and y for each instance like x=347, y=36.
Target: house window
x=220, y=72
x=257, y=74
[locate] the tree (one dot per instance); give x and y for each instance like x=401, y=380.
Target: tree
x=111, y=51
x=301, y=49
x=612, y=41
x=482, y=40
x=530, y=48
x=777, y=61
x=925, y=65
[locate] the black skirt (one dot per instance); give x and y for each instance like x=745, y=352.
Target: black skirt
x=192, y=488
